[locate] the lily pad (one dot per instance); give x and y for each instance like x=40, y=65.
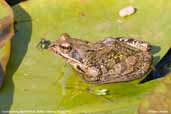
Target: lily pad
x=39, y=81
x=162, y=93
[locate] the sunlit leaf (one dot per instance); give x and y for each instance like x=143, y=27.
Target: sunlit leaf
x=158, y=101
x=44, y=82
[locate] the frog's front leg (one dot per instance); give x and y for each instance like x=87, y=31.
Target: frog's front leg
x=90, y=74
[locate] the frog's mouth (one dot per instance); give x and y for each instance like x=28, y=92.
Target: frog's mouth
x=56, y=50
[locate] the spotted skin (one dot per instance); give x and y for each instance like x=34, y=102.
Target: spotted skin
x=142, y=45
x=111, y=60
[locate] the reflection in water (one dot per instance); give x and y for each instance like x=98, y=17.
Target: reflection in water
x=66, y=72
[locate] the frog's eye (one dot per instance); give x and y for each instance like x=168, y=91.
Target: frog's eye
x=64, y=37
x=66, y=46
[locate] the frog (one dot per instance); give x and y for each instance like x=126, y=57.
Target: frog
x=113, y=59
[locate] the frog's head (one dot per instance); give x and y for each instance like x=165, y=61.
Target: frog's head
x=75, y=52
x=69, y=48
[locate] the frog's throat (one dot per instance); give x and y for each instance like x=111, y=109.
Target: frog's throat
x=75, y=63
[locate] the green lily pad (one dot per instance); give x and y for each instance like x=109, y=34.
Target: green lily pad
x=39, y=81
x=162, y=93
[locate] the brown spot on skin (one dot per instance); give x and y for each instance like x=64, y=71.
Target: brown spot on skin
x=131, y=60
x=118, y=68
x=93, y=71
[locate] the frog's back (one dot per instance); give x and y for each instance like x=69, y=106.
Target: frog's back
x=118, y=61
